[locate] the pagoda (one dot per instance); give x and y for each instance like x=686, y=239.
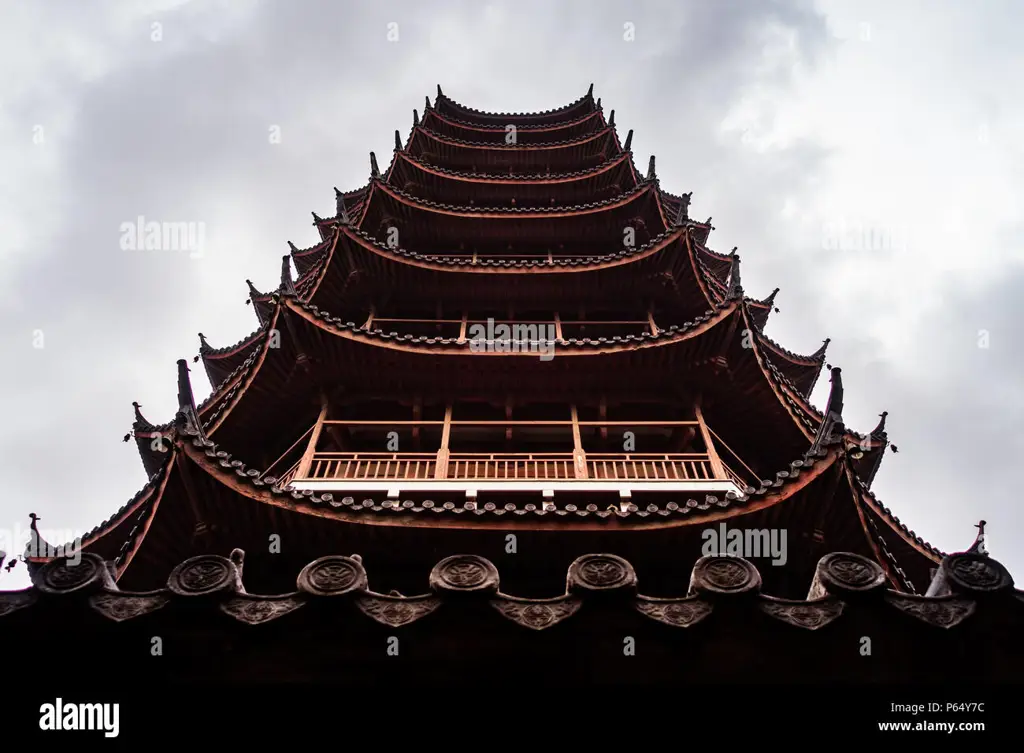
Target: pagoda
x=512, y=407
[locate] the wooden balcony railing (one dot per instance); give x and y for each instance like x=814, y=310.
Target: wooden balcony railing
x=379, y=466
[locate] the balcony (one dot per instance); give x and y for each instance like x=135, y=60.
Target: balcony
x=576, y=470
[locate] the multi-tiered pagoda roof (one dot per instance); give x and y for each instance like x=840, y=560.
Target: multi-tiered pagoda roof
x=520, y=217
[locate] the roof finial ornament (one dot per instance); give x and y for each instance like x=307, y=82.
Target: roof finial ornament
x=374, y=170
x=426, y=105
x=684, y=208
x=819, y=354
x=832, y=427
x=316, y=218
x=339, y=204
x=186, y=417
x=598, y=103
x=292, y=248
x=979, y=547
x=629, y=141
x=590, y=91
x=879, y=431
x=650, y=169
x=771, y=299
x=735, y=288
x=203, y=345
x=287, y=285
x=398, y=141
x=439, y=92
x=611, y=118
x=415, y=118
x=253, y=292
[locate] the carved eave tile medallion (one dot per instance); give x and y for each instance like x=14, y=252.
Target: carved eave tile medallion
x=847, y=575
x=62, y=576
x=536, y=614
x=119, y=606
x=204, y=575
x=724, y=576
x=809, y=615
x=464, y=574
x=396, y=611
x=944, y=612
x=332, y=576
x=684, y=612
x=601, y=573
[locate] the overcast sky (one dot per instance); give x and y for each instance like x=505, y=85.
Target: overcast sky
x=866, y=157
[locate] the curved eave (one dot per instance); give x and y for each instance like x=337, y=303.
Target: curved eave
x=507, y=213
x=306, y=259
x=541, y=146
x=759, y=313
x=535, y=179
x=222, y=362
x=575, y=127
x=906, y=556
x=450, y=108
x=801, y=371
x=117, y=537
x=237, y=477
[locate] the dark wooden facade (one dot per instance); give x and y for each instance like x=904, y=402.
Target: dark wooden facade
x=514, y=347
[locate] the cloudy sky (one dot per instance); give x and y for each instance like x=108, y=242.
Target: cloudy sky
x=866, y=157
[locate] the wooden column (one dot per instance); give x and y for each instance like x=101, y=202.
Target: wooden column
x=441, y=469
x=716, y=464
x=307, y=457
x=462, y=329
x=558, y=326
x=579, y=457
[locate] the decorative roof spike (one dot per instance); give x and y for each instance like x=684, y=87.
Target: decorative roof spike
x=339, y=201
x=426, y=105
x=650, y=169
x=611, y=118
x=415, y=118
x=316, y=218
x=684, y=209
x=287, y=285
x=590, y=91
x=820, y=352
x=203, y=345
x=978, y=547
x=832, y=427
x=598, y=103
x=374, y=170
x=186, y=417
x=735, y=287
x=629, y=141
x=292, y=248
x=879, y=431
x=439, y=92
x=398, y=141
x=37, y=546
x=253, y=292
x=771, y=299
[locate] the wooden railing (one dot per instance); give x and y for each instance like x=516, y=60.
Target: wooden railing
x=516, y=466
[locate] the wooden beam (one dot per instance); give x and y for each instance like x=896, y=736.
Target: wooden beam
x=716, y=462
x=441, y=470
x=369, y=319
x=462, y=327
x=579, y=457
x=650, y=319
x=307, y=457
x=558, y=327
